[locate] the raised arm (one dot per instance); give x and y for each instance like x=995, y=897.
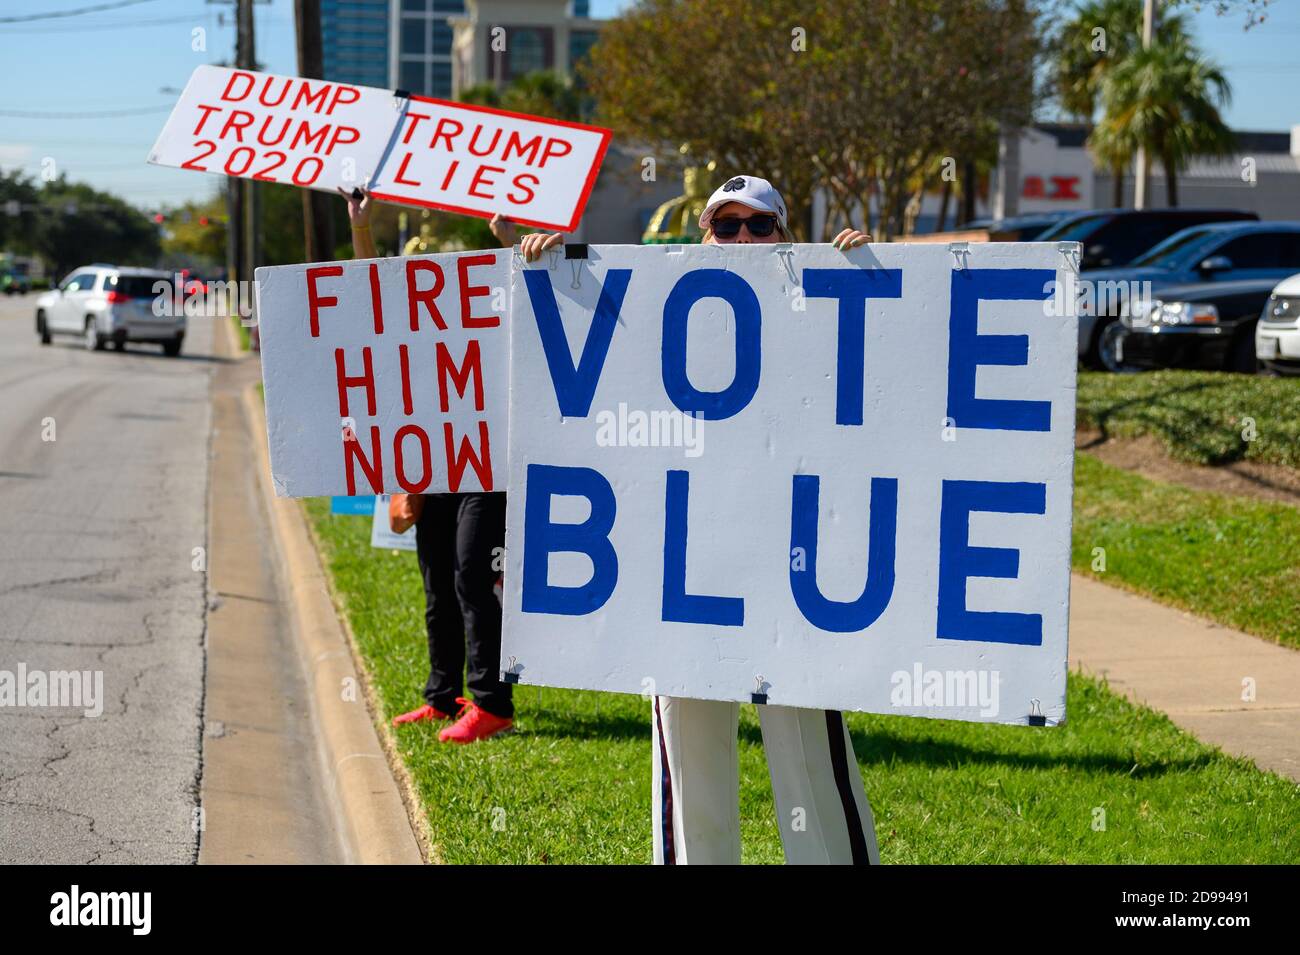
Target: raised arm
x=363, y=244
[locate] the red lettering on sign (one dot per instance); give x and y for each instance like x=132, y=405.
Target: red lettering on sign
x=233, y=122
x=365, y=380
x=1033, y=187
x=449, y=135
x=415, y=297
x=307, y=97
x=472, y=365
x=207, y=111
x=415, y=119
x=426, y=459
x=468, y=292
x=1065, y=187
x=401, y=172
x=372, y=468
x=316, y=301
x=230, y=86
x=481, y=462
x=519, y=184
x=553, y=150
x=478, y=178
x=343, y=96
x=339, y=132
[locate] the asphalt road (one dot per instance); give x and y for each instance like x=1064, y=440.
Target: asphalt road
x=98, y=531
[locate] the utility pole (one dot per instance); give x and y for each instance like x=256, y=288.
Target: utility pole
x=318, y=221
x=246, y=59
x=1141, y=184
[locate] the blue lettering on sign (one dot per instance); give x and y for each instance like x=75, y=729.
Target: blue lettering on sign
x=678, y=605
x=835, y=615
x=958, y=561
x=852, y=287
x=736, y=292
x=575, y=386
x=543, y=538
x=968, y=349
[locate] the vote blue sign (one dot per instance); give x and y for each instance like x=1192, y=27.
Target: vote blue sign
x=839, y=480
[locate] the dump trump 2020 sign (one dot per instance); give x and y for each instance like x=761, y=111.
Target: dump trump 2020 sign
x=795, y=475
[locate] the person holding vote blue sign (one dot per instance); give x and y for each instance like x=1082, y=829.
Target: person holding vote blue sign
x=822, y=807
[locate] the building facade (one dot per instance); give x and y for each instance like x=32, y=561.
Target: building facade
x=1056, y=172
x=497, y=41
x=354, y=39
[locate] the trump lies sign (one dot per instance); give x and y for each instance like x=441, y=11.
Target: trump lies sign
x=795, y=475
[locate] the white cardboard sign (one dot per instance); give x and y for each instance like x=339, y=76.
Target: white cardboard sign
x=386, y=375
x=275, y=128
x=381, y=531
x=832, y=480
x=409, y=149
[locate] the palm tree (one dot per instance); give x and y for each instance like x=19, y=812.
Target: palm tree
x=1165, y=99
x=1082, y=57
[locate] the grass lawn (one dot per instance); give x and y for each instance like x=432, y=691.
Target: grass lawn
x=1199, y=416
x=573, y=785
x=245, y=337
x=1233, y=560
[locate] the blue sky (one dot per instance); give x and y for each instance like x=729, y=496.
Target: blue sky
x=123, y=59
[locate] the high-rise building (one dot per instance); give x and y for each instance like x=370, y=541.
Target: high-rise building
x=496, y=41
x=354, y=38
x=420, y=45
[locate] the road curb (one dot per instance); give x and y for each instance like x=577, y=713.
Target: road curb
x=363, y=791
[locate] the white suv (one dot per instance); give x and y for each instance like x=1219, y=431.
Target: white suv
x=1277, y=335
x=104, y=303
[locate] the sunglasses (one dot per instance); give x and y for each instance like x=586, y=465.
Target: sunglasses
x=760, y=227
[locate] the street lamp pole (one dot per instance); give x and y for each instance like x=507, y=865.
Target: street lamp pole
x=1141, y=184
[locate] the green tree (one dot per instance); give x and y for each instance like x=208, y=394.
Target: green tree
x=1101, y=35
x=18, y=222
x=77, y=224
x=856, y=96
x=1165, y=99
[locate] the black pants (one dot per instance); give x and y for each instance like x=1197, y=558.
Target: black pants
x=458, y=539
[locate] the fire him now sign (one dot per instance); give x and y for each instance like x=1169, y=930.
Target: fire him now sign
x=386, y=375
x=408, y=149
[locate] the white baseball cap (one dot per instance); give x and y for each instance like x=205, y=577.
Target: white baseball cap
x=749, y=191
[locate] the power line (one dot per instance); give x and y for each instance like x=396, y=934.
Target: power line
x=56, y=14
x=106, y=114
x=119, y=25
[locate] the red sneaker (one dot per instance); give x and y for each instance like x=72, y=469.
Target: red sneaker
x=425, y=712
x=475, y=723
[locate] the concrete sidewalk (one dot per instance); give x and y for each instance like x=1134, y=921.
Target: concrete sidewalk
x=1193, y=671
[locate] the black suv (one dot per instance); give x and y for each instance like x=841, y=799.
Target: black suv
x=1112, y=237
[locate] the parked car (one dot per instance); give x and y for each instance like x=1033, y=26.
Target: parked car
x=1207, y=325
x=15, y=281
x=1277, y=336
x=1215, y=252
x=105, y=303
x=1114, y=237
x=1025, y=228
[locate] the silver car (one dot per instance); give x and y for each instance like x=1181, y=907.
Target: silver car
x=104, y=303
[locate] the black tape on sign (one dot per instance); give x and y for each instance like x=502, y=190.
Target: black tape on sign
x=575, y=250
x=401, y=94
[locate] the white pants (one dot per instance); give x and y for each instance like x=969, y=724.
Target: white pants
x=821, y=807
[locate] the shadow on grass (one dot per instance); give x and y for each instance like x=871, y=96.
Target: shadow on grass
x=1181, y=430
x=873, y=748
